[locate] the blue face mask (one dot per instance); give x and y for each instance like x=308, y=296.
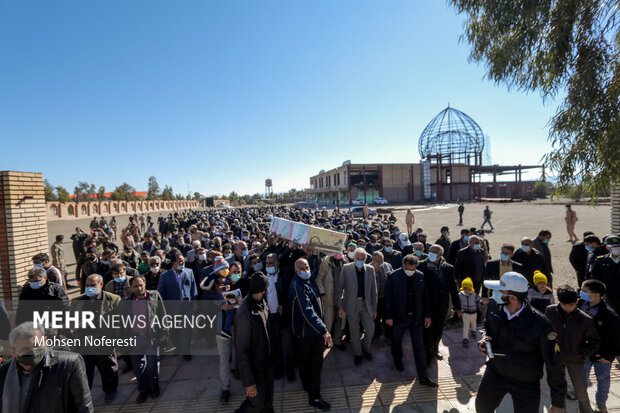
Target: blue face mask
x=476, y=247
x=228, y=256
x=417, y=253
x=91, y=291
x=448, y=234
x=584, y=296
x=389, y=249
x=271, y=270
x=305, y=275
x=589, y=248
x=245, y=253
x=359, y=263
x=504, y=257
x=432, y=257
x=120, y=280
x=525, y=248
x=466, y=238
x=397, y=233
x=42, y=266
x=35, y=285
x=235, y=277
x=497, y=297
x=105, y=262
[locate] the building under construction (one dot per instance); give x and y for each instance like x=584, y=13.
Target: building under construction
x=451, y=168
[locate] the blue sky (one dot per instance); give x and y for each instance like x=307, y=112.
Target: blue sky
x=223, y=94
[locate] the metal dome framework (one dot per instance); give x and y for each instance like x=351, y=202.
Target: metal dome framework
x=452, y=137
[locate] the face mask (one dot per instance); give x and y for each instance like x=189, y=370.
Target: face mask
x=525, y=248
x=406, y=243
x=245, y=253
x=496, y=295
x=589, y=248
x=202, y=257
x=105, y=262
x=432, y=257
x=39, y=265
x=476, y=247
x=91, y=258
x=409, y=272
x=546, y=240
x=504, y=257
x=396, y=233
x=584, y=296
x=258, y=266
x=91, y=291
x=35, y=285
x=615, y=251
x=351, y=254
x=338, y=256
x=180, y=267
x=305, y=275
x=359, y=263
x=271, y=270
x=235, y=277
x=32, y=358
x=373, y=244
x=155, y=269
x=417, y=253
x=466, y=238
x=120, y=280
x=389, y=249
x=181, y=243
x=228, y=256
x=448, y=234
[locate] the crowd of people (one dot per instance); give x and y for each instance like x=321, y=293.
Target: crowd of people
x=294, y=301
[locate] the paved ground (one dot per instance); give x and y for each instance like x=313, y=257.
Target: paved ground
x=376, y=386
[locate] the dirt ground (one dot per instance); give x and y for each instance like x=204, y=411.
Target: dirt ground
x=511, y=221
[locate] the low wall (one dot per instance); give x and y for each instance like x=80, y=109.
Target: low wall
x=80, y=210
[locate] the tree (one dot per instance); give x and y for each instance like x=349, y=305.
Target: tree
x=556, y=48
x=153, y=192
x=101, y=193
x=63, y=194
x=83, y=191
x=124, y=192
x=198, y=196
x=167, y=194
x=50, y=192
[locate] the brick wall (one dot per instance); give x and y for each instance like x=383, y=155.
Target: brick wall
x=23, y=228
x=615, y=210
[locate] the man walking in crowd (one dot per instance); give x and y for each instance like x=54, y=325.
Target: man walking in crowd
x=520, y=340
x=311, y=334
x=495, y=269
x=58, y=255
x=607, y=270
x=541, y=243
x=407, y=309
x=254, y=347
x=578, y=339
x=579, y=258
x=356, y=294
x=444, y=241
x=329, y=275
x=530, y=260
x=42, y=260
x=41, y=379
x=458, y=245
x=461, y=209
x=471, y=262
x=39, y=288
x=441, y=286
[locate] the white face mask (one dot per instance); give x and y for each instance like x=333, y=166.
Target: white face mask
x=409, y=272
x=351, y=254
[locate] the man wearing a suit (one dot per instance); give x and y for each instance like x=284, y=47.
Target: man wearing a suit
x=497, y=268
x=407, y=308
x=179, y=284
x=356, y=295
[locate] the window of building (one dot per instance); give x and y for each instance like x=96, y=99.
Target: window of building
x=448, y=175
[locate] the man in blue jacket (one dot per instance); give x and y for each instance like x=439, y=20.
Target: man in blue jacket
x=311, y=334
x=407, y=308
x=179, y=284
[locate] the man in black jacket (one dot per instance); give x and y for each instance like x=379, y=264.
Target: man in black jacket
x=444, y=240
x=457, y=245
x=253, y=335
x=541, y=243
x=39, y=288
x=53, y=381
x=441, y=286
x=531, y=260
x=579, y=258
x=471, y=262
x=607, y=324
x=496, y=268
x=521, y=340
x=407, y=308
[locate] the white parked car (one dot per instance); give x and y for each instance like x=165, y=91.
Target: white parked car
x=358, y=202
x=381, y=201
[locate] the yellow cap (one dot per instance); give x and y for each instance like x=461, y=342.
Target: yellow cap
x=539, y=277
x=467, y=283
